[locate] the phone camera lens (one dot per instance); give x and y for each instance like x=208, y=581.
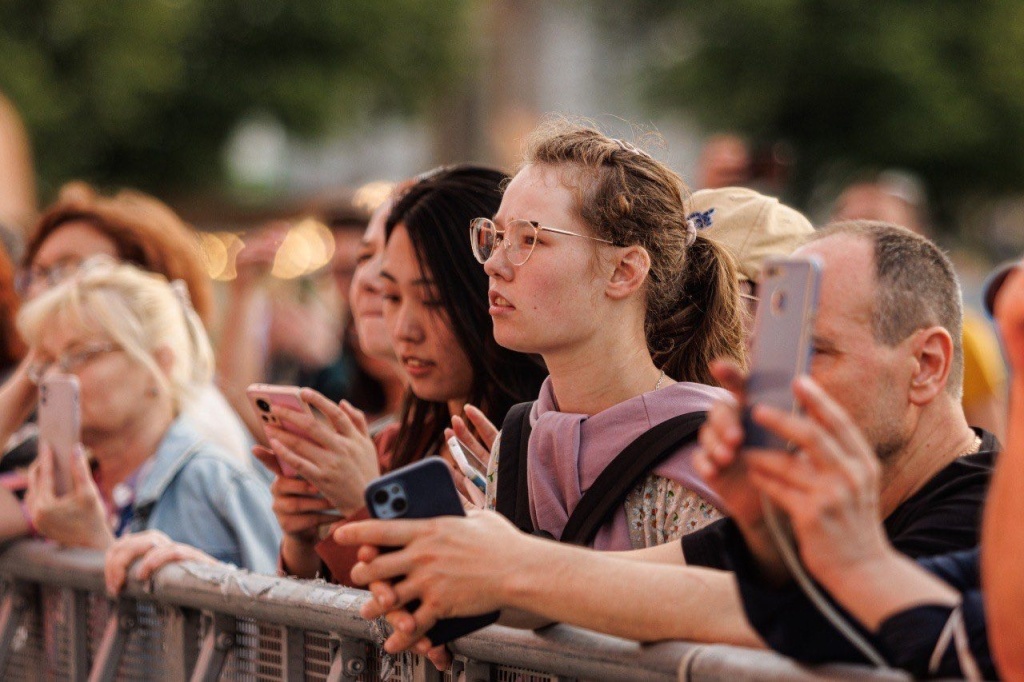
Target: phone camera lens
x=381, y=497
x=263, y=404
x=399, y=505
x=778, y=302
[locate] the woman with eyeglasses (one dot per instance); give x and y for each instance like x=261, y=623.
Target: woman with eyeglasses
x=140, y=355
x=594, y=266
x=130, y=227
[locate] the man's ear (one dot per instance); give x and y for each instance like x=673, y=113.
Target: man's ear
x=932, y=350
x=631, y=265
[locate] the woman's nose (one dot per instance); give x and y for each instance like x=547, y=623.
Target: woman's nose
x=407, y=326
x=497, y=265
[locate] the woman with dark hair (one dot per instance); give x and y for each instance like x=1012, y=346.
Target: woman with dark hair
x=435, y=310
x=426, y=236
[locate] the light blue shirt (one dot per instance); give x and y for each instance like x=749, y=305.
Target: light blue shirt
x=199, y=495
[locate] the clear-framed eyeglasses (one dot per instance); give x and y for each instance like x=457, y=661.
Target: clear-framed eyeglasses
x=70, y=360
x=519, y=238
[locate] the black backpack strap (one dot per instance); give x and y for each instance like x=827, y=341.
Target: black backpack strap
x=513, y=496
x=624, y=473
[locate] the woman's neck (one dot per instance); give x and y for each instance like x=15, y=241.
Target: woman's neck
x=601, y=373
x=120, y=454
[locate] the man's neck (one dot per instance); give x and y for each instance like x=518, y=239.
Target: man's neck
x=942, y=435
x=121, y=454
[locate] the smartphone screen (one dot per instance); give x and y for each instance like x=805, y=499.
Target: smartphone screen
x=60, y=424
x=467, y=469
x=782, y=340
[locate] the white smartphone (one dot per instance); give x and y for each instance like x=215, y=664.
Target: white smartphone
x=459, y=455
x=60, y=424
x=782, y=335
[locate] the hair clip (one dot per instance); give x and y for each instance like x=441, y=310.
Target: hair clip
x=627, y=147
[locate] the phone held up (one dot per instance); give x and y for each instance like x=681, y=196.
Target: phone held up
x=263, y=396
x=60, y=424
x=782, y=340
x=422, y=490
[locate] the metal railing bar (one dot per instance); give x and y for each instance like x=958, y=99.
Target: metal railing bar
x=217, y=643
x=78, y=617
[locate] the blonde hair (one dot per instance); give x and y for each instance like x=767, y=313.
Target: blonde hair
x=626, y=196
x=139, y=311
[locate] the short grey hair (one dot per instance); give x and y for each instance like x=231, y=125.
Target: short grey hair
x=917, y=288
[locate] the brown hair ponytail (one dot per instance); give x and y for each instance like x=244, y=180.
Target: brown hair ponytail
x=706, y=322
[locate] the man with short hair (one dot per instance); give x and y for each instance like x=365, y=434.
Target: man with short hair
x=886, y=349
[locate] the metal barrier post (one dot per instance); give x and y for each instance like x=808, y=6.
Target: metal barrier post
x=294, y=654
x=181, y=644
x=119, y=624
x=18, y=599
x=424, y=671
x=218, y=641
x=78, y=613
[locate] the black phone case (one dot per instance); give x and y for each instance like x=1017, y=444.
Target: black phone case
x=430, y=491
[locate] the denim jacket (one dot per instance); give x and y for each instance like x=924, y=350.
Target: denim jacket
x=199, y=495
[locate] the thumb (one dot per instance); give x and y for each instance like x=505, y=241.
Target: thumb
x=81, y=476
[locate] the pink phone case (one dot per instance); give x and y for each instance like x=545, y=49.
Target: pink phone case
x=60, y=424
x=263, y=396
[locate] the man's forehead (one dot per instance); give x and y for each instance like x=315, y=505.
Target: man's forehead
x=847, y=289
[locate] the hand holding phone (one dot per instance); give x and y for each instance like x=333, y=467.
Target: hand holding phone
x=782, y=340
x=421, y=490
x=60, y=424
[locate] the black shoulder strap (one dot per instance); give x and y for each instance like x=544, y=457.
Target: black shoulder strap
x=513, y=496
x=625, y=472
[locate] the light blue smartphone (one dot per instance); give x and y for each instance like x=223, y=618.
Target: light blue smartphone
x=782, y=340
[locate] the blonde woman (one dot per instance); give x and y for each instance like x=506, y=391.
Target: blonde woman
x=140, y=354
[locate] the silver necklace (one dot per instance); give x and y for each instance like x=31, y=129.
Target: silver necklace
x=660, y=379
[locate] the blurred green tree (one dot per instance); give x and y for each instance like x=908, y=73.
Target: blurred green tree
x=936, y=87
x=145, y=92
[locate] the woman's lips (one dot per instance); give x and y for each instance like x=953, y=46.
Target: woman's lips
x=499, y=304
x=417, y=368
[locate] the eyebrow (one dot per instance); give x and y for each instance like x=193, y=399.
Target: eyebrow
x=422, y=282
x=822, y=343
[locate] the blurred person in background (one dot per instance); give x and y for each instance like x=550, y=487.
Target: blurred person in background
x=140, y=355
x=724, y=162
x=17, y=179
x=132, y=227
x=279, y=331
x=899, y=198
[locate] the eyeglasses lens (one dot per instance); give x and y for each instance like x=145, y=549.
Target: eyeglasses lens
x=482, y=236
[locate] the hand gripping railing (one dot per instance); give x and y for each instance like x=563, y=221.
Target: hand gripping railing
x=197, y=622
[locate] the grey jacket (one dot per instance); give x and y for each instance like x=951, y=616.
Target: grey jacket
x=201, y=496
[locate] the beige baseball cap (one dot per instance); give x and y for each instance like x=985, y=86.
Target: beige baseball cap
x=750, y=225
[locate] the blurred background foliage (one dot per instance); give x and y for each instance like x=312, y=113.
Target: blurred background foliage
x=934, y=87
x=146, y=92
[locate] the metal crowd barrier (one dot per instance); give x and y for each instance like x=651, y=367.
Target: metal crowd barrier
x=197, y=622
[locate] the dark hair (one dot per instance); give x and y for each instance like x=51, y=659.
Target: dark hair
x=917, y=287
x=626, y=196
x=436, y=213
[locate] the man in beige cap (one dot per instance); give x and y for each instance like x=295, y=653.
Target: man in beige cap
x=752, y=227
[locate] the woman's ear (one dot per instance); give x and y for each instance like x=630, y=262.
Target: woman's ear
x=164, y=357
x=632, y=264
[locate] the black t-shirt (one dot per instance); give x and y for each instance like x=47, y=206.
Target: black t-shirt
x=943, y=516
